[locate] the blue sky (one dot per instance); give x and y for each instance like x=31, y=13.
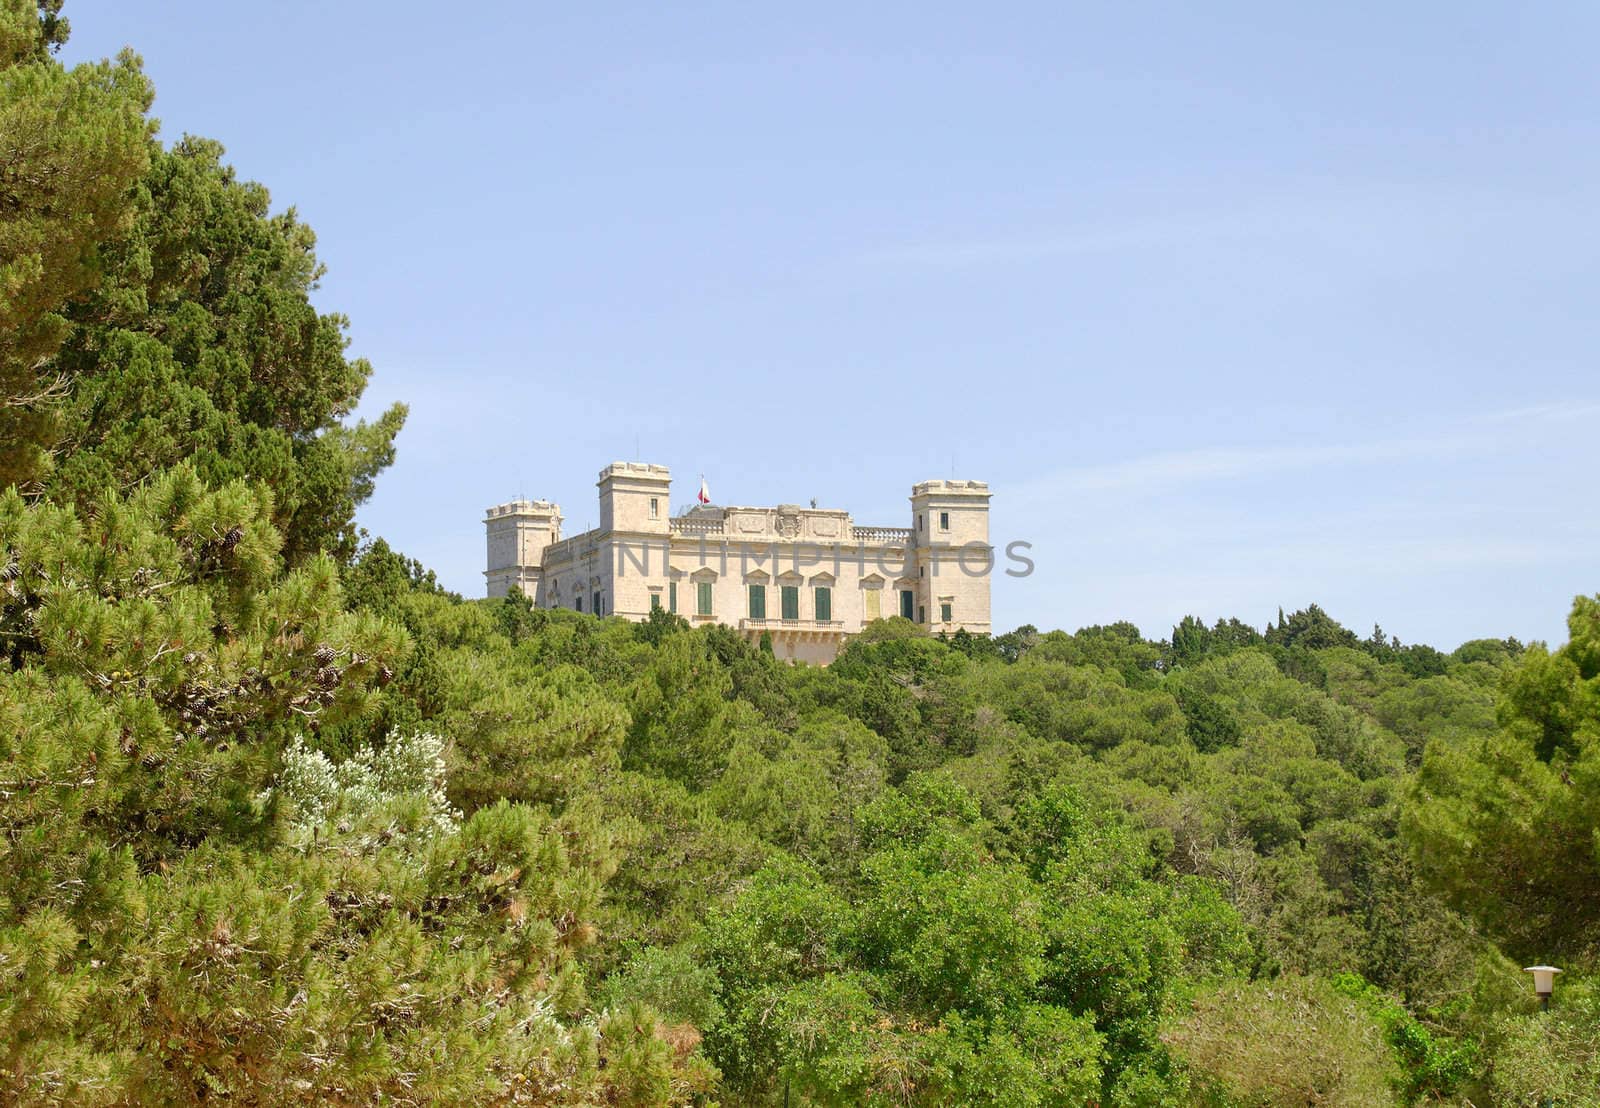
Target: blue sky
x=1234, y=306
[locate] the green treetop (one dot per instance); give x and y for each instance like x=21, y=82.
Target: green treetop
x=72, y=144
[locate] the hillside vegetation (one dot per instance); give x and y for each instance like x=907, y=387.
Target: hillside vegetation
x=284, y=822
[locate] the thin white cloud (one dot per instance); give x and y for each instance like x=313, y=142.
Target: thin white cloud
x=1181, y=467
x=1559, y=411
x=1171, y=469
x=1341, y=216
x=1347, y=216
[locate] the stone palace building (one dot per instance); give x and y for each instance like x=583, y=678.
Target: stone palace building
x=809, y=577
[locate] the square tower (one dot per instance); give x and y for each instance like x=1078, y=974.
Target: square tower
x=634, y=498
x=950, y=544
x=635, y=536
x=518, y=533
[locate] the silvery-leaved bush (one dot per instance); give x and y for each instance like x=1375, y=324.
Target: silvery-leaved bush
x=401, y=783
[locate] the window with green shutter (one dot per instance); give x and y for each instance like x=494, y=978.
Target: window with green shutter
x=944, y=612
x=791, y=602
x=758, y=602
x=907, y=603
x=655, y=601
x=703, y=589
x=824, y=600
x=672, y=597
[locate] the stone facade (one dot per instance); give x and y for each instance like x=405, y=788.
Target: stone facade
x=807, y=576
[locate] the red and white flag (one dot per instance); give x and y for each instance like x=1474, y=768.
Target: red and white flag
x=705, y=493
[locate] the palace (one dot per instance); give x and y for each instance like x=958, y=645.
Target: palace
x=808, y=577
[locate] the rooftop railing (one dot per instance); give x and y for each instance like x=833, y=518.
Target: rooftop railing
x=896, y=535
x=691, y=525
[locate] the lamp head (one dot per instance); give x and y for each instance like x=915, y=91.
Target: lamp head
x=1544, y=980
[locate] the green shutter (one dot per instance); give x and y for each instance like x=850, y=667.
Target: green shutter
x=824, y=603
x=655, y=601
x=944, y=613
x=791, y=602
x=758, y=602
x=672, y=597
x=906, y=603
x=705, y=598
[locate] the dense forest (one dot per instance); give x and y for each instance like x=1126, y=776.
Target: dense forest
x=285, y=822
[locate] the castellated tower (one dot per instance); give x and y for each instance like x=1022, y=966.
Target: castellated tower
x=950, y=543
x=518, y=534
x=633, y=498
x=635, y=512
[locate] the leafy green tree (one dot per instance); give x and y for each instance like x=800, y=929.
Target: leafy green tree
x=1193, y=641
x=200, y=904
x=1118, y=647
x=200, y=342
x=1494, y=651
x=1446, y=708
x=683, y=861
x=1014, y=644
x=164, y=608
x=670, y=982
x=1431, y=1068
x=1208, y=723
x=656, y=626
x=1311, y=628
x=682, y=718
x=72, y=144
x=540, y=737
x=1506, y=826
x=946, y=930
x=380, y=577
x=786, y=926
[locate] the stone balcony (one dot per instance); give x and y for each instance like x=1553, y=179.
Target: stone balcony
x=810, y=625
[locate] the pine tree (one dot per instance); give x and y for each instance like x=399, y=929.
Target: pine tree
x=201, y=343
x=72, y=143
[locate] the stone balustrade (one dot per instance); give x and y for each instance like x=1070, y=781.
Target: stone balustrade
x=749, y=624
x=897, y=536
x=692, y=525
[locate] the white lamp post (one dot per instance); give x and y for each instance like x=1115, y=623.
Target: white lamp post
x=1544, y=983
